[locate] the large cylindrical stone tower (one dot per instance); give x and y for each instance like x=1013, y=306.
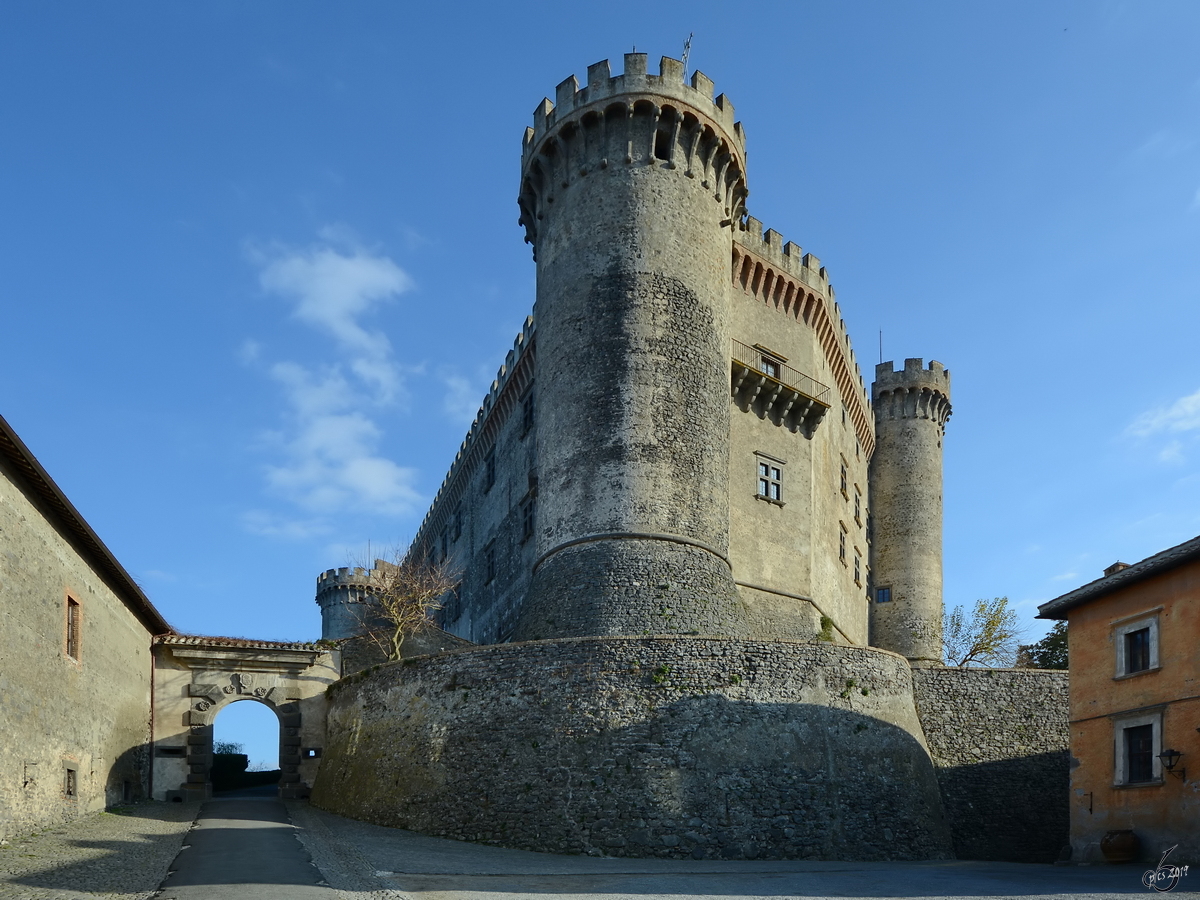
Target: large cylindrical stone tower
x=911, y=409
x=630, y=190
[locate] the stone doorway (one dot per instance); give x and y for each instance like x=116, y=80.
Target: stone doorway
x=196, y=677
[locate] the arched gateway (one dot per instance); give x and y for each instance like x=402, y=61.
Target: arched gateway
x=196, y=677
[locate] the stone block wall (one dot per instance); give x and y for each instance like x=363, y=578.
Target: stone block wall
x=88, y=715
x=999, y=741
x=680, y=747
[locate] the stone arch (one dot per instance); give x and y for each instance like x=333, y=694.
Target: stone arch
x=197, y=677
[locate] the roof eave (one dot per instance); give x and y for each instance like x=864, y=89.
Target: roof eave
x=86, y=542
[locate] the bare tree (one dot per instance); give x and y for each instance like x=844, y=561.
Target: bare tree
x=404, y=595
x=987, y=637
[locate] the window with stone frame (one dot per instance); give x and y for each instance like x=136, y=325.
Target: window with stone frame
x=845, y=480
x=456, y=523
x=883, y=595
x=770, y=480
x=73, y=643
x=1136, y=642
x=1137, y=741
x=842, y=542
x=857, y=567
x=857, y=506
x=770, y=366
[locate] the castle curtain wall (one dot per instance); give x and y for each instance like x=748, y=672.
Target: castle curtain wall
x=75, y=730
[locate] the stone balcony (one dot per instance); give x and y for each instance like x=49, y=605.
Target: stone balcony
x=763, y=383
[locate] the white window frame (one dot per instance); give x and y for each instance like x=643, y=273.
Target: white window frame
x=1120, y=764
x=1123, y=627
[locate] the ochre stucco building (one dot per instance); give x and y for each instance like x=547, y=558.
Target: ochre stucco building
x=1134, y=638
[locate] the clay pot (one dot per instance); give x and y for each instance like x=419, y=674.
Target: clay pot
x=1120, y=846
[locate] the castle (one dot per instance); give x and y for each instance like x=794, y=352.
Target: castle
x=701, y=571
x=681, y=440
x=703, y=562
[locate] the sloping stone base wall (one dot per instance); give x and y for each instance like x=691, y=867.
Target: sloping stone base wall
x=671, y=746
x=1000, y=742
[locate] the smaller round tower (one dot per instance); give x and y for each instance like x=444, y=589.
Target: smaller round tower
x=342, y=595
x=911, y=409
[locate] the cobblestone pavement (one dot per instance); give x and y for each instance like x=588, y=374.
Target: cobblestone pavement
x=122, y=854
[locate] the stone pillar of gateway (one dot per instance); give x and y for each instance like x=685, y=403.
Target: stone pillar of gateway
x=630, y=189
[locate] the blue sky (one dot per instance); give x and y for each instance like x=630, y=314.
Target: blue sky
x=259, y=262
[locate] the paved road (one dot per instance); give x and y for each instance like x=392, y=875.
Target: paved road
x=243, y=847
x=367, y=861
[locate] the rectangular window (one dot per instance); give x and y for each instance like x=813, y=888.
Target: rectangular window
x=489, y=470
x=527, y=413
x=770, y=482
x=883, y=595
x=1139, y=754
x=70, y=782
x=445, y=543
x=489, y=563
x=1137, y=650
x=456, y=523
x=527, y=518
x=770, y=367
x=857, y=506
x=1136, y=642
x=845, y=481
x=73, y=635
x=842, y=543
x=857, y=567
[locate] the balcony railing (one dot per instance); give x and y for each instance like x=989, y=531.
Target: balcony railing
x=766, y=385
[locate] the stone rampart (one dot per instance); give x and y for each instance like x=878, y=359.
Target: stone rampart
x=669, y=746
x=999, y=740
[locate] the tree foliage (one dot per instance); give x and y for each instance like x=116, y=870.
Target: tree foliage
x=988, y=636
x=1048, y=653
x=405, y=594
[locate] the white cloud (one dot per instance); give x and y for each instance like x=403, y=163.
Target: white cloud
x=266, y=524
x=1181, y=416
x=330, y=460
x=1172, y=453
x=332, y=285
x=249, y=352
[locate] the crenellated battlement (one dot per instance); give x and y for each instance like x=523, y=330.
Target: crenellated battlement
x=635, y=119
x=782, y=275
x=602, y=85
x=515, y=368
x=915, y=392
x=914, y=374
